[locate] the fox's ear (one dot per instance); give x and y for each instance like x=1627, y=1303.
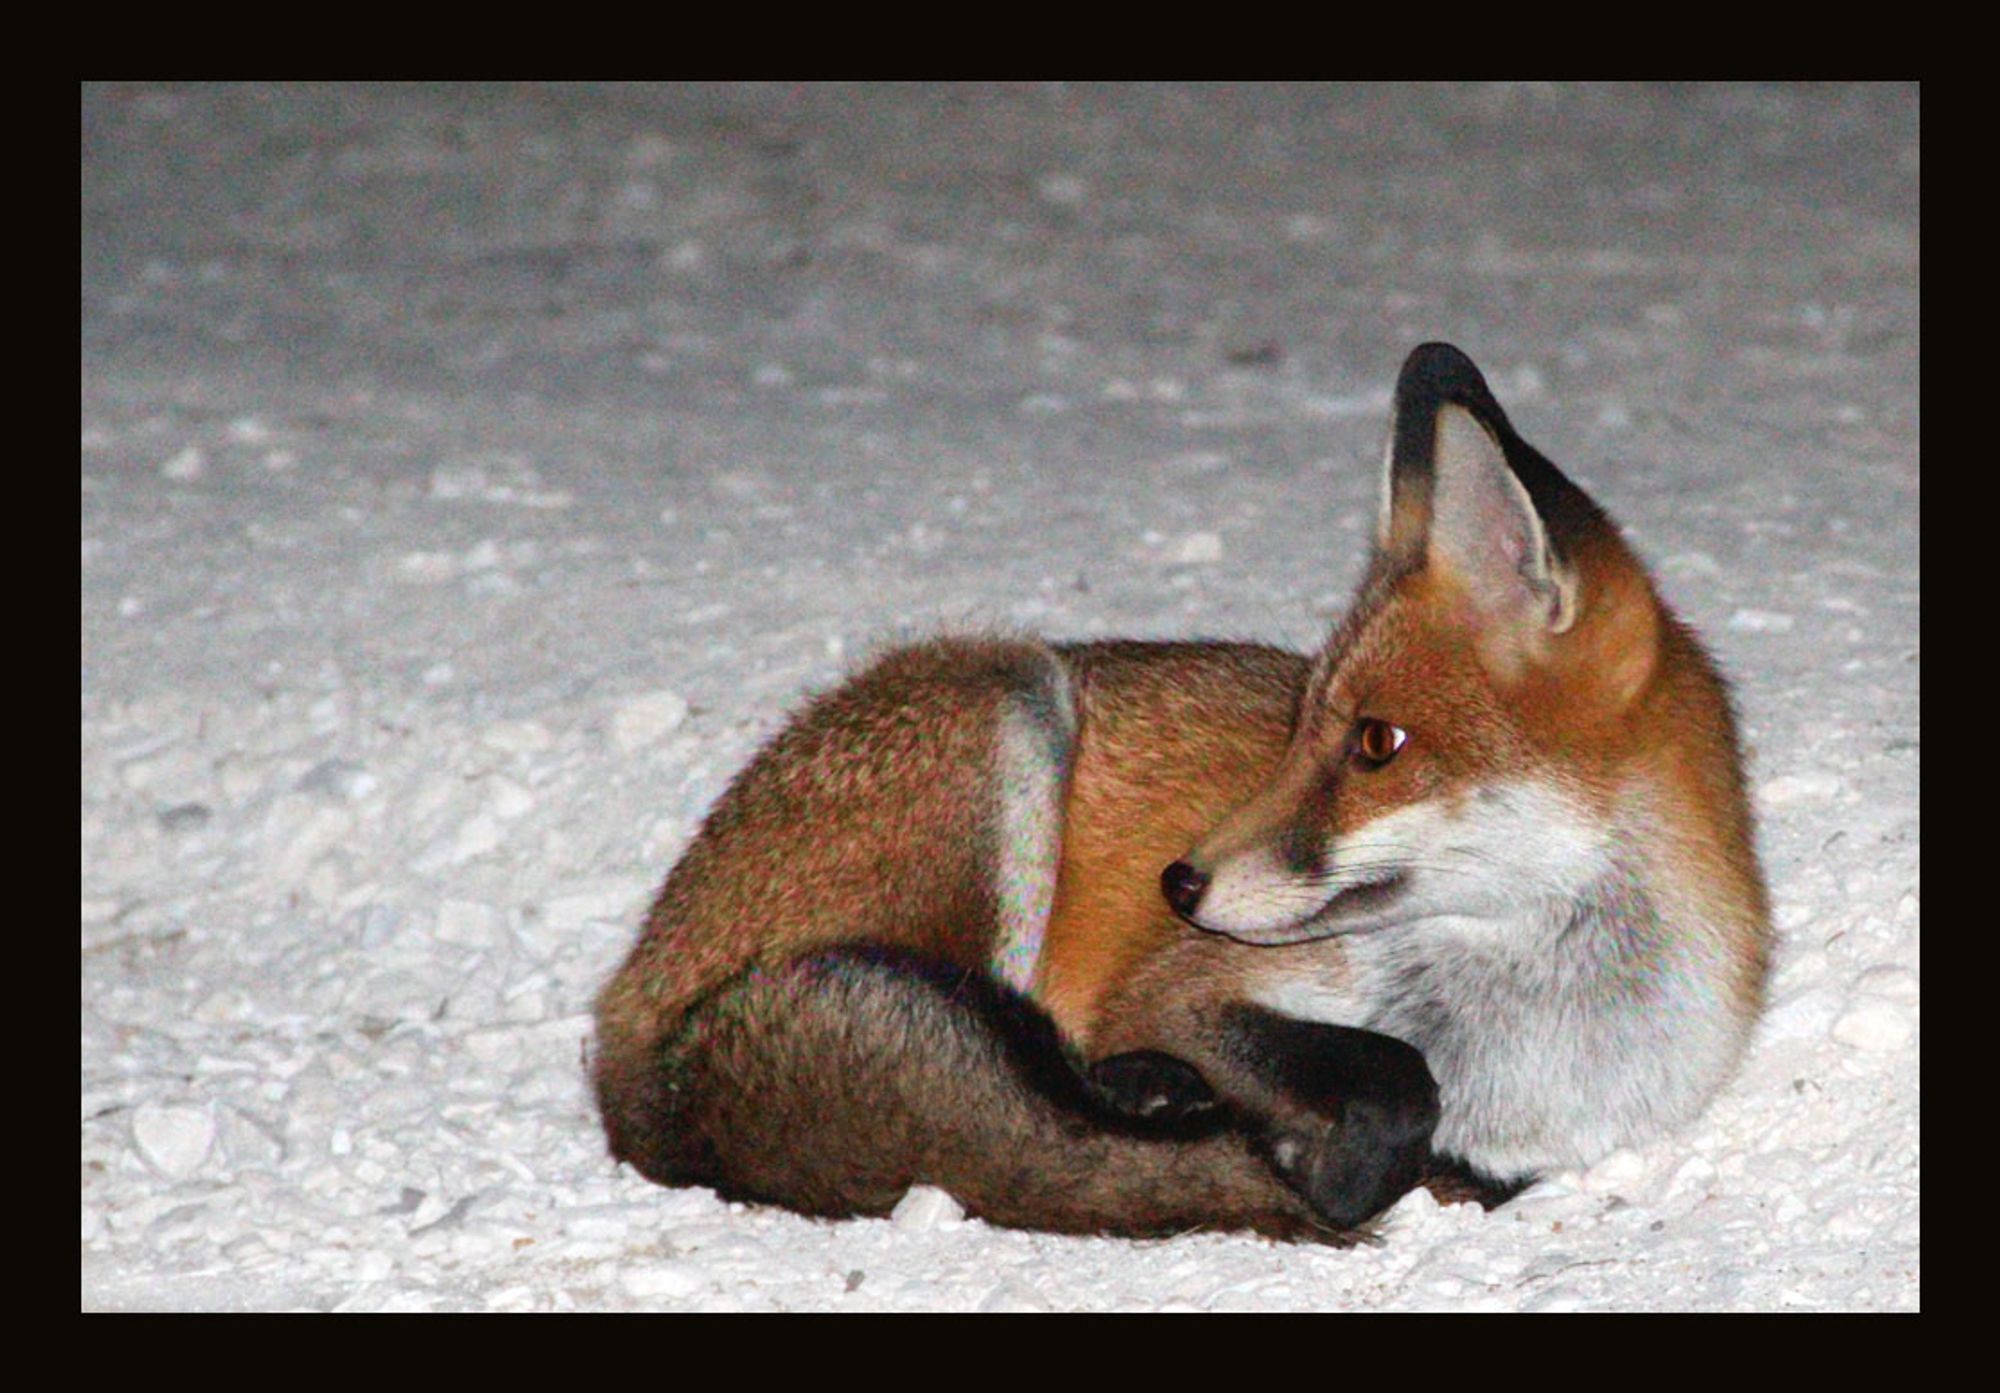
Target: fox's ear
x=1451, y=501
x=1486, y=534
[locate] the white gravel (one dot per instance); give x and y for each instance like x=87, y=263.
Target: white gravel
x=471, y=477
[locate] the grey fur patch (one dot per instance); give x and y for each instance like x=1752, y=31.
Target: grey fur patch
x=1033, y=748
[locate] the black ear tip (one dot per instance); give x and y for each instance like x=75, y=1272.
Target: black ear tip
x=1440, y=370
x=1438, y=373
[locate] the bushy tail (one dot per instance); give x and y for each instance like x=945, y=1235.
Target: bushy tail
x=834, y=1082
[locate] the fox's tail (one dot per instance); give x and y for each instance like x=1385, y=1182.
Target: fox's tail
x=834, y=1082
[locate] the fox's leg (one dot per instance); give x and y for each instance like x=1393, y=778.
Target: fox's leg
x=1343, y=1114
x=833, y=1082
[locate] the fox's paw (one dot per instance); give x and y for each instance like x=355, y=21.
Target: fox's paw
x=1355, y=1167
x=1149, y=1086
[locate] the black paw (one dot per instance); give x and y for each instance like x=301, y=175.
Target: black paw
x=1353, y=1131
x=1371, y=1155
x=1149, y=1086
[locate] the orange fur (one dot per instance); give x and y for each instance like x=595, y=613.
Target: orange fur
x=1171, y=737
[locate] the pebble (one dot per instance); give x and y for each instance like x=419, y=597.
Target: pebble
x=609, y=901
x=467, y=923
x=1691, y=563
x=1063, y=189
x=1805, y=1015
x=1009, y=1298
x=185, y=466
x=639, y=721
x=508, y=799
x=427, y=567
x=517, y=737
x=482, y=555
x=338, y=780
x=249, y=1142
x=1198, y=548
x=321, y=832
x=174, y=1140
x=663, y=1281
x=1874, y=1024
x=185, y=817
x=1621, y=1170
x=478, y=835
x=926, y=1208
x=1895, y=983
x=1789, y=789
x=1760, y=621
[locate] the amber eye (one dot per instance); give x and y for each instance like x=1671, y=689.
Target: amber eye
x=1376, y=742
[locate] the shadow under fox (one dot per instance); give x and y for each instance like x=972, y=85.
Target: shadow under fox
x=1141, y=937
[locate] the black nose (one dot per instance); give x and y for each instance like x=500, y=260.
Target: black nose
x=1182, y=884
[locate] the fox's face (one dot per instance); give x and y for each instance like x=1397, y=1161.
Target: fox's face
x=1413, y=788
x=1453, y=751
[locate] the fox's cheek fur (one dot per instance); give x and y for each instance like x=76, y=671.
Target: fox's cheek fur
x=1474, y=856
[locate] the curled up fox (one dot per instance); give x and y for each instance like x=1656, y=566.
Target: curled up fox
x=1133, y=938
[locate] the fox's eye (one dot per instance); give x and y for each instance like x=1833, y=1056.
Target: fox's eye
x=1376, y=742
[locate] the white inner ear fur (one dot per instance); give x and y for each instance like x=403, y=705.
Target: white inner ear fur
x=1486, y=532
x=1386, y=509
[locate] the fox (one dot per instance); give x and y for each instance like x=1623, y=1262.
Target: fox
x=1136, y=938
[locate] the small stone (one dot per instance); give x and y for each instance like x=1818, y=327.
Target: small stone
x=1620, y=1170
x=595, y=901
x=427, y=567
x=478, y=835
x=926, y=1208
x=662, y=1281
x=1789, y=789
x=1897, y=984
x=338, y=780
x=174, y=1140
x=641, y=720
x=517, y=737
x=1066, y=190
x=467, y=923
x=1760, y=621
x=1198, y=548
x=185, y=817
x=1009, y=1298
x=184, y=467
x=1805, y=1015
x=1874, y=1024
x=508, y=799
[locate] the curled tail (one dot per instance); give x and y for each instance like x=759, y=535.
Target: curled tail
x=835, y=1081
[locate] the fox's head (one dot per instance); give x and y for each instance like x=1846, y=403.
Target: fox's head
x=1470, y=729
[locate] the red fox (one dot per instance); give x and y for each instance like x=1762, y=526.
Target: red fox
x=1133, y=938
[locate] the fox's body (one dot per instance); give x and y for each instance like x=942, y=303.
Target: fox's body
x=1010, y=918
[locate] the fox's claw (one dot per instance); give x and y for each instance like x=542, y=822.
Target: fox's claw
x=1149, y=1086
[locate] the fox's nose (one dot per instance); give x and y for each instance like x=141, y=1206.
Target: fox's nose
x=1182, y=884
